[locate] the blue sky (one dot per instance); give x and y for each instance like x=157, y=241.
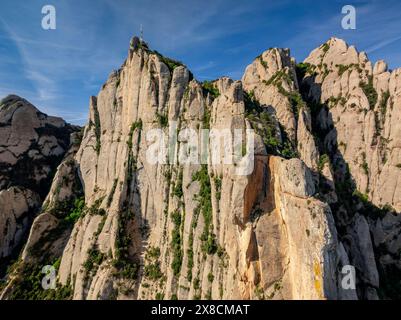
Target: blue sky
x=58, y=70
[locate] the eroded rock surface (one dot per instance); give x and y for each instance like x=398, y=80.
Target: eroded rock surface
x=32, y=145
x=118, y=226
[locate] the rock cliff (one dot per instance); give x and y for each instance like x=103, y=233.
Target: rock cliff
x=32, y=145
x=320, y=193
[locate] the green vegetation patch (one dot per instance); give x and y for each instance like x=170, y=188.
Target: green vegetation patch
x=177, y=190
x=98, y=129
x=93, y=262
x=125, y=267
x=204, y=199
x=28, y=285
x=304, y=69
x=265, y=126
x=170, y=63
x=162, y=120
x=176, y=243
x=210, y=87
x=322, y=161
x=370, y=92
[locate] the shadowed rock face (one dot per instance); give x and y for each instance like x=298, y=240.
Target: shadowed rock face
x=362, y=118
x=32, y=145
x=284, y=231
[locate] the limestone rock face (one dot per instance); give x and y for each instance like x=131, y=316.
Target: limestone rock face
x=274, y=67
x=272, y=81
x=31, y=146
x=142, y=209
x=194, y=230
x=363, y=117
x=357, y=115
x=65, y=188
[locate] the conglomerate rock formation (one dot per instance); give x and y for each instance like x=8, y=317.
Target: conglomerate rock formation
x=323, y=194
x=32, y=145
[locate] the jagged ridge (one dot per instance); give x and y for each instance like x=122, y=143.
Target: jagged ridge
x=169, y=231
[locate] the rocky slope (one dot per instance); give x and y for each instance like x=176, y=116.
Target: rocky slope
x=118, y=226
x=31, y=146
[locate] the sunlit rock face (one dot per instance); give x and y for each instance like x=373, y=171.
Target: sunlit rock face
x=118, y=226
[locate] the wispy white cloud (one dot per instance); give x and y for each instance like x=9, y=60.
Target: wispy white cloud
x=382, y=44
x=41, y=43
x=205, y=66
x=54, y=65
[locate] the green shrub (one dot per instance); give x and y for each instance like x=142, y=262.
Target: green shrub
x=111, y=195
x=304, y=69
x=153, y=272
x=206, y=119
x=383, y=102
x=98, y=130
x=370, y=92
x=361, y=196
x=170, y=63
x=123, y=264
x=204, y=199
x=288, y=151
x=322, y=161
x=388, y=208
x=94, y=260
x=159, y=296
x=209, y=87
x=265, y=126
x=162, y=120
x=100, y=226
x=325, y=47
x=263, y=62
x=126, y=269
x=343, y=68
x=178, y=191
x=95, y=210
x=190, y=255
x=28, y=286
x=218, y=185
x=364, y=164
x=77, y=211
x=197, y=283
x=153, y=253
x=134, y=126
x=277, y=78
x=176, y=243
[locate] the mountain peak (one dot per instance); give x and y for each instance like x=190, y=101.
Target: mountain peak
x=11, y=99
x=322, y=183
